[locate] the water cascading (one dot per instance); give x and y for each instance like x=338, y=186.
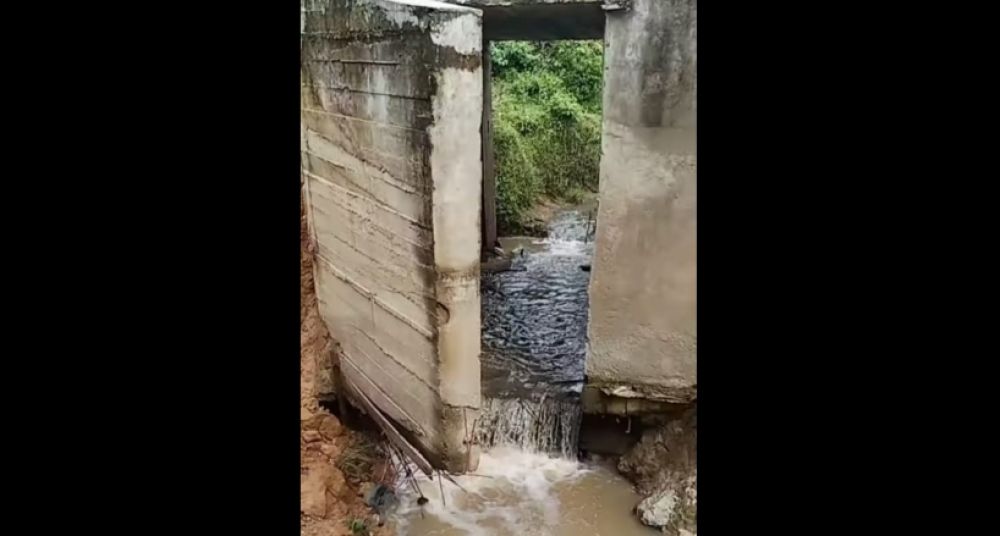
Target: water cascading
x=549, y=426
x=529, y=481
x=534, y=340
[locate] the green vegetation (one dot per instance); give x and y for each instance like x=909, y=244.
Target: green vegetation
x=546, y=124
x=357, y=460
x=357, y=527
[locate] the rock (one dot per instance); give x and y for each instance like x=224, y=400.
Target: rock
x=664, y=467
x=496, y=264
x=321, y=488
x=329, y=449
x=312, y=489
x=311, y=436
x=336, y=486
x=330, y=427
x=658, y=510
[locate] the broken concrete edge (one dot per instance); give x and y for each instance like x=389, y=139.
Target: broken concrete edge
x=412, y=446
x=631, y=399
x=441, y=455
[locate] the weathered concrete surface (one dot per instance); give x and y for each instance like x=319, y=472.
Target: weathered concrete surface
x=643, y=321
x=391, y=111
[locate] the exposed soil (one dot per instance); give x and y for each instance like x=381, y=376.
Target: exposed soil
x=336, y=468
x=664, y=467
x=316, y=361
x=336, y=463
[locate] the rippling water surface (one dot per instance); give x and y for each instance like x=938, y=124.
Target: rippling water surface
x=535, y=315
x=529, y=481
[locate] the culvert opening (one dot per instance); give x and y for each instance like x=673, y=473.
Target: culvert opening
x=544, y=137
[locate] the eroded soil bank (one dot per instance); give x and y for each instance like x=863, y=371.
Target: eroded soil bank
x=336, y=463
x=664, y=467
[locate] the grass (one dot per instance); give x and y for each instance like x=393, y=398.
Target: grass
x=357, y=527
x=357, y=460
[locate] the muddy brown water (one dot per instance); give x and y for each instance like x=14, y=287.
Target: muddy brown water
x=529, y=481
x=519, y=493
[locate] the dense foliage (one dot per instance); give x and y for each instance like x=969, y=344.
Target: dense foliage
x=547, y=123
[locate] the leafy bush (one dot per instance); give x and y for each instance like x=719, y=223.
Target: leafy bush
x=357, y=527
x=518, y=186
x=547, y=123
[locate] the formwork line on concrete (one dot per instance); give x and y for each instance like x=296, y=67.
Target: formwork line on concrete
x=411, y=424
x=353, y=90
x=361, y=120
x=392, y=356
x=416, y=263
x=425, y=294
x=376, y=203
x=367, y=148
x=375, y=299
x=382, y=369
x=402, y=187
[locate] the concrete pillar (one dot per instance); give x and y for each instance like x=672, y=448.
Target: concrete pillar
x=489, y=168
x=643, y=321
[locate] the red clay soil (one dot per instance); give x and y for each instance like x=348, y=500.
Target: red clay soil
x=329, y=500
x=314, y=339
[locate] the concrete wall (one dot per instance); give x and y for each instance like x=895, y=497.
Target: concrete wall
x=643, y=321
x=391, y=112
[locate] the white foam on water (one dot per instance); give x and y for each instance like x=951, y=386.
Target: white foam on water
x=568, y=248
x=568, y=235
x=512, y=492
x=547, y=426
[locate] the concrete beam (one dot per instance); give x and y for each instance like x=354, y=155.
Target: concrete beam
x=540, y=20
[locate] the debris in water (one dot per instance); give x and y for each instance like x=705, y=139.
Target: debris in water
x=381, y=498
x=441, y=486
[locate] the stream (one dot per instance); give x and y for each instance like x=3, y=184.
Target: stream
x=529, y=481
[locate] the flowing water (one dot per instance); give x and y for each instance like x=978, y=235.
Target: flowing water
x=535, y=339
x=529, y=481
x=519, y=493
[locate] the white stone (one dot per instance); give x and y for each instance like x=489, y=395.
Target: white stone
x=657, y=510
